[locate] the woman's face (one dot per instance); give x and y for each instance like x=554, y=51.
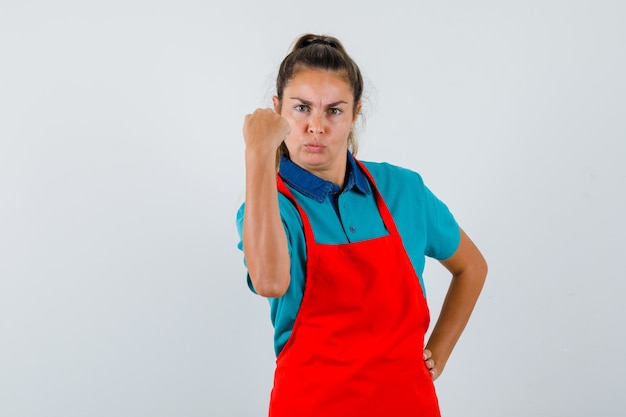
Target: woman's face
x=319, y=106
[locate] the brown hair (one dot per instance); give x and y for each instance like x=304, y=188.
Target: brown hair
x=325, y=53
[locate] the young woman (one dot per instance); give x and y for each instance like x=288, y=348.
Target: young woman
x=338, y=246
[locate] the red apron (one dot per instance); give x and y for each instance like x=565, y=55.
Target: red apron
x=357, y=342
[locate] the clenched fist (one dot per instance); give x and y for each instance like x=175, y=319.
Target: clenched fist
x=264, y=131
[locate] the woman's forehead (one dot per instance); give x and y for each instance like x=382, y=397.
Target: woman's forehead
x=314, y=84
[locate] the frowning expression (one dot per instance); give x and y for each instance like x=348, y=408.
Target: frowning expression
x=319, y=106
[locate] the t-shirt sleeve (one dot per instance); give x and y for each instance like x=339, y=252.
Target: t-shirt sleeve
x=442, y=229
x=290, y=217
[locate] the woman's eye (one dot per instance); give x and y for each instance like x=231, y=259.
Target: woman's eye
x=334, y=111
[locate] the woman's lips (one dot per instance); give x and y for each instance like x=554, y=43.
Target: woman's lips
x=311, y=147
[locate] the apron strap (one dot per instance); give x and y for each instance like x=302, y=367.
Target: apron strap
x=284, y=190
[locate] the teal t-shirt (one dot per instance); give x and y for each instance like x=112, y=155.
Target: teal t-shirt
x=425, y=224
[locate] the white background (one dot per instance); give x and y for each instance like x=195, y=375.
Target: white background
x=122, y=292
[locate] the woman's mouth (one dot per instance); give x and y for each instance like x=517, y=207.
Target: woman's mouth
x=314, y=147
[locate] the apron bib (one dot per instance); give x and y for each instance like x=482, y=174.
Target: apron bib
x=357, y=342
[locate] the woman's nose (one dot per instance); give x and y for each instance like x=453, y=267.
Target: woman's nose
x=316, y=124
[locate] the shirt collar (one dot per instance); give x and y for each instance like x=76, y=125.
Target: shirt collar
x=316, y=188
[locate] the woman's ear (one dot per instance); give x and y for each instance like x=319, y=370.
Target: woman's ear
x=276, y=102
x=357, y=110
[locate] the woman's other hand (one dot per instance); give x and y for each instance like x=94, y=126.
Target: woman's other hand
x=430, y=364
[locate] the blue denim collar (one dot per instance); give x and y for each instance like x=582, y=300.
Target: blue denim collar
x=316, y=188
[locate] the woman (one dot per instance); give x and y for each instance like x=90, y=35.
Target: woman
x=338, y=245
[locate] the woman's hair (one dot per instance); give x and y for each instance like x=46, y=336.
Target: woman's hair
x=324, y=53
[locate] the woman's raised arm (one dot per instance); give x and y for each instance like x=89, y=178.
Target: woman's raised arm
x=264, y=240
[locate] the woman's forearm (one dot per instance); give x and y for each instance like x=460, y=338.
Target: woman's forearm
x=264, y=239
x=469, y=271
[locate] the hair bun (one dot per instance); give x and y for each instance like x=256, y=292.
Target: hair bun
x=319, y=41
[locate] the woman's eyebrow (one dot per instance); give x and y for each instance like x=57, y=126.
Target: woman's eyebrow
x=309, y=103
x=336, y=103
x=301, y=100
